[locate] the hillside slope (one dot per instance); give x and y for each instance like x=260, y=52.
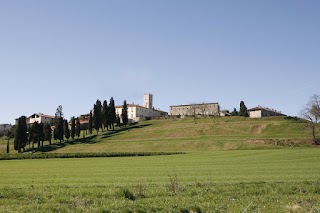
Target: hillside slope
x=203, y=134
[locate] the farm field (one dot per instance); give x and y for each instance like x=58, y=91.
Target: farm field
x=221, y=181
x=230, y=165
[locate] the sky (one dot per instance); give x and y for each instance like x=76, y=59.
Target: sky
x=73, y=52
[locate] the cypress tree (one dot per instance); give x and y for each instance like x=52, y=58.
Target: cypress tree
x=47, y=133
x=60, y=132
x=118, y=120
x=105, y=113
x=112, y=113
x=124, y=113
x=78, y=127
x=59, y=121
x=21, y=135
x=243, y=110
x=66, y=129
x=97, y=116
x=90, y=122
x=73, y=127
x=41, y=130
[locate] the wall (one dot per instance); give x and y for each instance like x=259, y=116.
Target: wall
x=255, y=114
x=196, y=109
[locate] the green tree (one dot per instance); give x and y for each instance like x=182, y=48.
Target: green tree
x=97, y=116
x=59, y=129
x=21, y=135
x=124, y=114
x=59, y=123
x=90, y=122
x=47, y=133
x=66, y=129
x=78, y=127
x=105, y=114
x=41, y=134
x=112, y=113
x=73, y=127
x=118, y=120
x=234, y=112
x=243, y=110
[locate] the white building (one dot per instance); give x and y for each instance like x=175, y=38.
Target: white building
x=137, y=112
x=259, y=111
x=40, y=118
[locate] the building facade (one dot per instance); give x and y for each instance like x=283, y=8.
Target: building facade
x=205, y=109
x=137, y=112
x=40, y=118
x=259, y=111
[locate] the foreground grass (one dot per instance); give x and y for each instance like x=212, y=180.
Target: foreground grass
x=279, y=180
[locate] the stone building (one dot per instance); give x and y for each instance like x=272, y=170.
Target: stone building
x=137, y=112
x=206, y=109
x=259, y=111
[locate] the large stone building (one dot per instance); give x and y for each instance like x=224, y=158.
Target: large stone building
x=206, y=109
x=137, y=112
x=259, y=111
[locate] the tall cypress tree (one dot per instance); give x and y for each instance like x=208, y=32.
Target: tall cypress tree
x=66, y=129
x=21, y=135
x=60, y=132
x=112, y=113
x=105, y=113
x=73, y=127
x=59, y=122
x=118, y=120
x=78, y=127
x=97, y=116
x=243, y=110
x=90, y=122
x=124, y=113
x=47, y=133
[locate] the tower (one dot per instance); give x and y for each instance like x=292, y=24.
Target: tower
x=147, y=100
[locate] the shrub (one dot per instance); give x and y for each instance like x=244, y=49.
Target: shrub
x=126, y=193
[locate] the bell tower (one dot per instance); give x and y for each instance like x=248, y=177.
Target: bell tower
x=147, y=100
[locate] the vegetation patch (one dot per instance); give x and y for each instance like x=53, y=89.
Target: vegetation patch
x=82, y=155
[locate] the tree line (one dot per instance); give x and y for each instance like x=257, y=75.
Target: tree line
x=102, y=117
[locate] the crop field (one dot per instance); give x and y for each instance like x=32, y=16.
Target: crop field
x=222, y=181
x=228, y=165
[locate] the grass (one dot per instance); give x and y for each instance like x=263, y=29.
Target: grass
x=232, y=165
x=183, y=135
x=220, y=181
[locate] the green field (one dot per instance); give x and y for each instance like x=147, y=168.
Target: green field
x=230, y=165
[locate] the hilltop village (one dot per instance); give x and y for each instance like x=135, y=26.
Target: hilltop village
x=136, y=113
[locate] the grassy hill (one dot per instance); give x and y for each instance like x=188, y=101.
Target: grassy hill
x=204, y=134
x=187, y=134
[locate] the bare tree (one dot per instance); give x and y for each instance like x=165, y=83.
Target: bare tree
x=311, y=112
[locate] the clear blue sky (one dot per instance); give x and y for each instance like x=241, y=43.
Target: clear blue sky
x=73, y=52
